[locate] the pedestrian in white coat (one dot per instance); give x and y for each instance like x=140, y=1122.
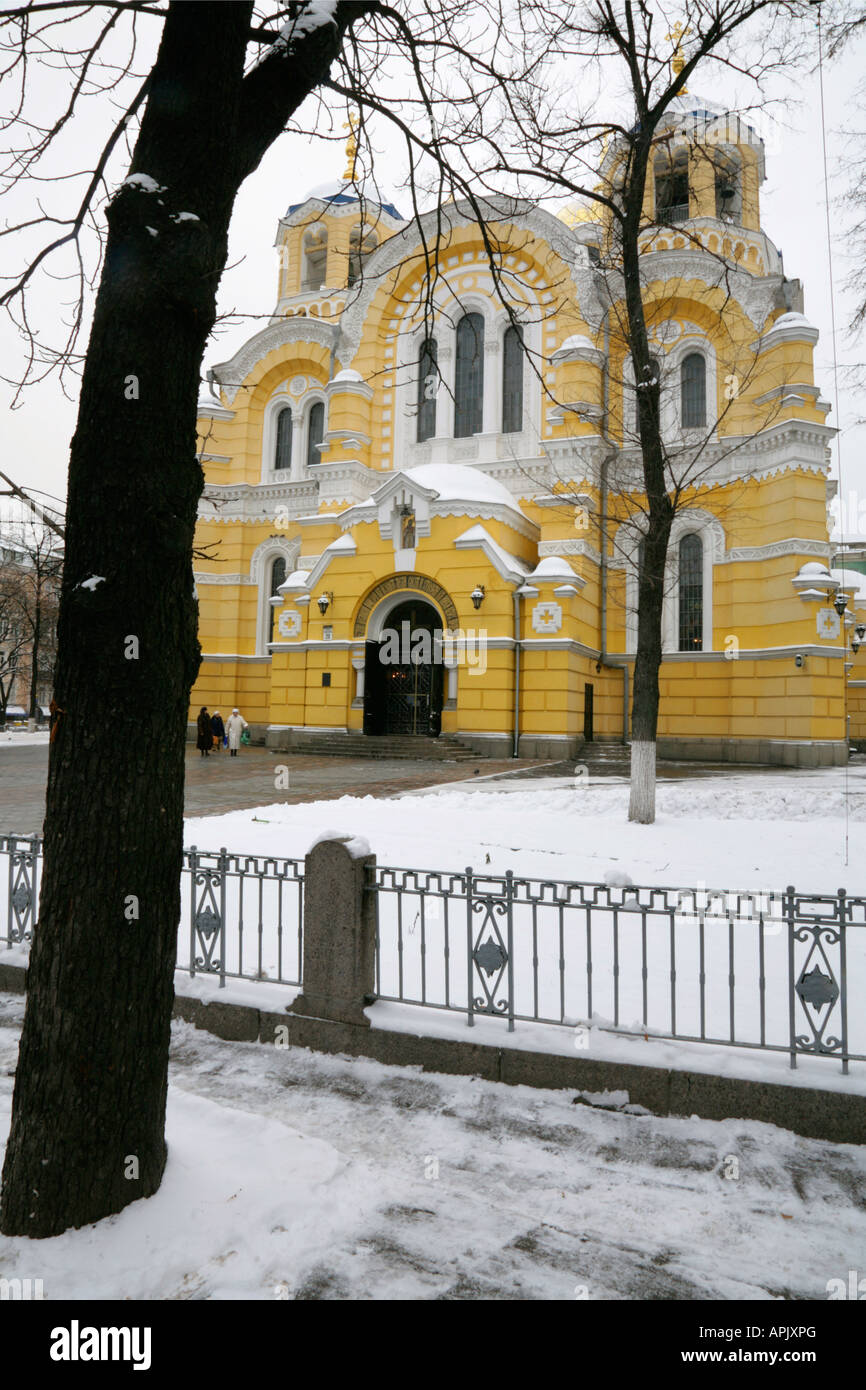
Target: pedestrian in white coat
x=235, y=725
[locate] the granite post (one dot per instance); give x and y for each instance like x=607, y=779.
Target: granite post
x=339, y=931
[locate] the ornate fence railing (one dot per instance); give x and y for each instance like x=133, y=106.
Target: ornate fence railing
x=241, y=914
x=769, y=971
x=772, y=971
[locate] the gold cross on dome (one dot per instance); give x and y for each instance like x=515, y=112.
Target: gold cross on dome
x=678, y=62
x=351, y=147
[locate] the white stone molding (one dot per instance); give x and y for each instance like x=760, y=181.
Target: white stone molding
x=241, y=502
x=569, y=547
x=204, y=577
x=788, y=328
x=401, y=248
x=507, y=566
x=626, y=546
x=260, y=563
x=233, y=373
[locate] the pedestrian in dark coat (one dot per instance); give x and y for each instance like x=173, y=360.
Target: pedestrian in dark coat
x=218, y=728
x=204, y=740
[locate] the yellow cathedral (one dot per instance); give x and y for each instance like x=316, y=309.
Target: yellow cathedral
x=422, y=498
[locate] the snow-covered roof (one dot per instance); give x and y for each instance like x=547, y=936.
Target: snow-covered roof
x=457, y=482
x=854, y=583
x=553, y=567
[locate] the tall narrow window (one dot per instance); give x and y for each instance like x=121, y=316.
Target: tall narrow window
x=728, y=187
x=361, y=247
x=672, y=186
x=315, y=433
x=315, y=259
x=693, y=391
x=512, y=380
x=691, y=594
x=469, y=377
x=278, y=577
x=428, y=384
x=283, y=448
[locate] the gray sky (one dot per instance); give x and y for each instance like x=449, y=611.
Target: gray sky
x=36, y=435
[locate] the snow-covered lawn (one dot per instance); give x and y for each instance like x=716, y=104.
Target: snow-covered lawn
x=754, y=833
x=758, y=831
x=298, y=1175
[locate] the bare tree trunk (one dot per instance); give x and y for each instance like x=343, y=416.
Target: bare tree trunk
x=33, y=710
x=645, y=698
x=88, y=1114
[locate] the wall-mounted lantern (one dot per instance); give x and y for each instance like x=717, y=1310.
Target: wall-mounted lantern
x=477, y=596
x=324, y=601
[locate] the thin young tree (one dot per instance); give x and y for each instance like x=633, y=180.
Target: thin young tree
x=591, y=131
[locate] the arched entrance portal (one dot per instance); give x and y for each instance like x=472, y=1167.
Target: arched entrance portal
x=403, y=673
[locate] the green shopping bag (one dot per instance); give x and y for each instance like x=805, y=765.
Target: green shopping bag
x=245, y=736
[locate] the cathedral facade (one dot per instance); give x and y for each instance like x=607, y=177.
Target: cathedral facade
x=422, y=505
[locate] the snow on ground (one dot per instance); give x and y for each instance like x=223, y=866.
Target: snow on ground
x=705, y=833
x=298, y=1175
x=757, y=832
x=8, y=736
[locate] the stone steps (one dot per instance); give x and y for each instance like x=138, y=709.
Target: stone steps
x=606, y=757
x=354, y=745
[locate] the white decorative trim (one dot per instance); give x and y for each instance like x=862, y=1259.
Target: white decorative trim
x=774, y=550
x=232, y=374
x=234, y=656
x=627, y=540
x=260, y=562
x=205, y=578
x=507, y=566
x=399, y=249
x=568, y=547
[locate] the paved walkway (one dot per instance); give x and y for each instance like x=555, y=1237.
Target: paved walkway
x=256, y=777
x=219, y=783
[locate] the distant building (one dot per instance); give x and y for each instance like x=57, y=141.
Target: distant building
x=29, y=599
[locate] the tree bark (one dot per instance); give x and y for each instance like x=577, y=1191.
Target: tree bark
x=91, y=1083
x=651, y=579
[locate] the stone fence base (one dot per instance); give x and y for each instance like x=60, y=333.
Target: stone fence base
x=837, y=1116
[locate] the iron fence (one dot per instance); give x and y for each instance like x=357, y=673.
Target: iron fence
x=768, y=971
x=241, y=915
x=771, y=971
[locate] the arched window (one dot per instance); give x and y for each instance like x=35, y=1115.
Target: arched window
x=315, y=433
x=691, y=594
x=278, y=577
x=361, y=247
x=428, y=382
x=315, y=259
x=693, y=391
x=656, y=371
x=283, y=447
x=469, y=377
x=728, y=186
x=672, y=186
x=512, y=380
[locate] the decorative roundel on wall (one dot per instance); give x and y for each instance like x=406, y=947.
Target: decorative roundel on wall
x=667, y=332
x=289, y=624
x=298, y=385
